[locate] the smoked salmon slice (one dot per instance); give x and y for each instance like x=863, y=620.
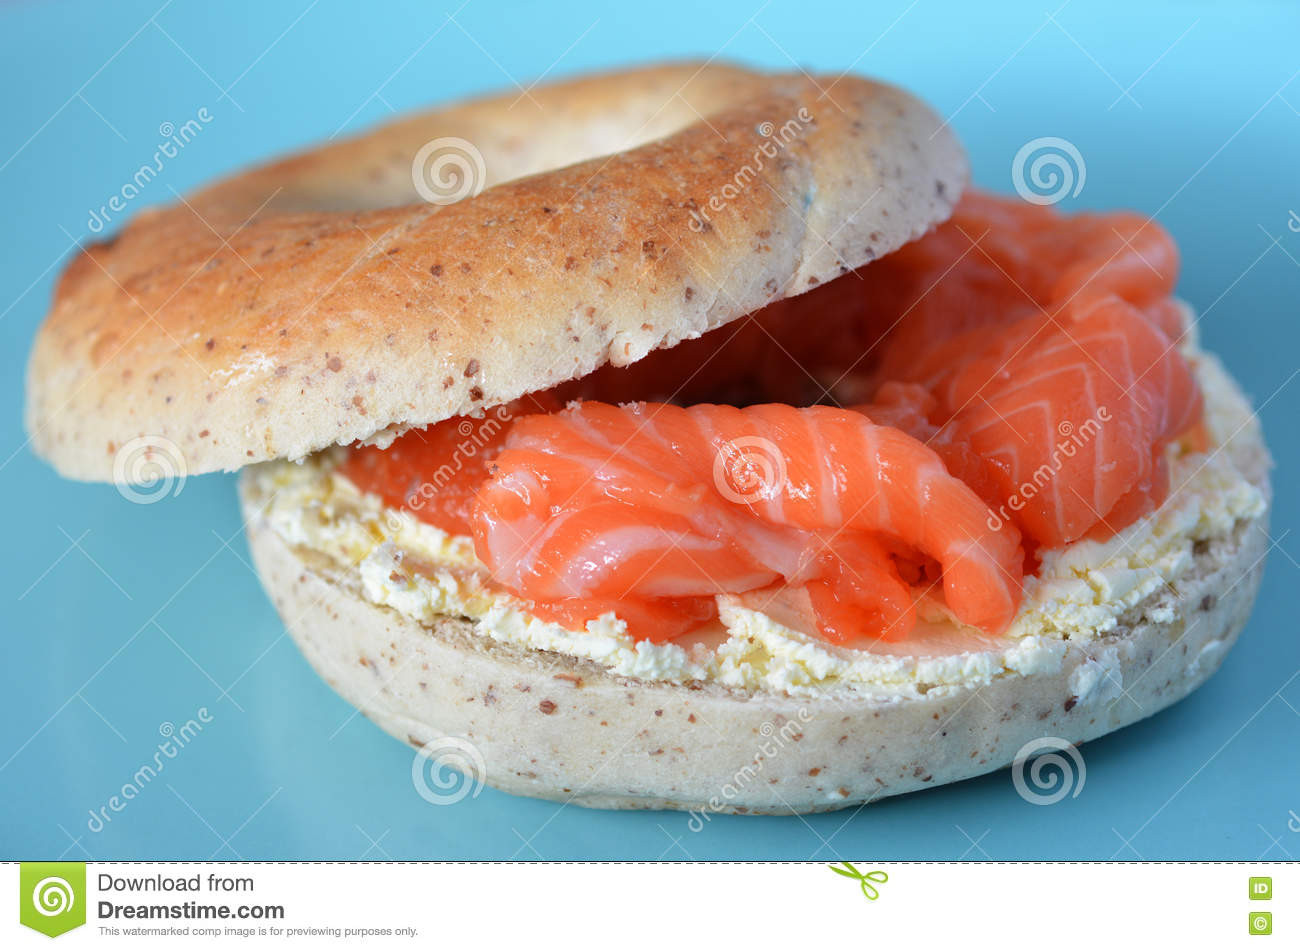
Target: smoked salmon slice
x=1043, y=367
x=653, y=501
x=1059, y=421
x=435, y=472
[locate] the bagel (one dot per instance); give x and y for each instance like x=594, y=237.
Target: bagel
x=298, y=315
x=320, y=299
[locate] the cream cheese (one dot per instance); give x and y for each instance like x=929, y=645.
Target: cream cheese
x=1079, y=594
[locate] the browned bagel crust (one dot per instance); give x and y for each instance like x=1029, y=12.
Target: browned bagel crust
x=317, y=300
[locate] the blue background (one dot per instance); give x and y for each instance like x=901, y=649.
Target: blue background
x=118, y=617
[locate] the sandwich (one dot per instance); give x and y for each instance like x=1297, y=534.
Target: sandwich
x=698, y=440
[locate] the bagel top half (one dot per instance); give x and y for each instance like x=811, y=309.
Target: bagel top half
x=329, y=296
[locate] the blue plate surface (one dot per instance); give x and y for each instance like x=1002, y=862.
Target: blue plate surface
x=122, y=619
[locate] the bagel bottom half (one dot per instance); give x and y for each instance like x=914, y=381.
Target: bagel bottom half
x=555, y=726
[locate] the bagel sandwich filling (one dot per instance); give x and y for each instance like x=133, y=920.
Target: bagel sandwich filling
x=936, y=469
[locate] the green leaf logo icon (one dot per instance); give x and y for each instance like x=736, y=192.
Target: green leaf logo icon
x=52, y=896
